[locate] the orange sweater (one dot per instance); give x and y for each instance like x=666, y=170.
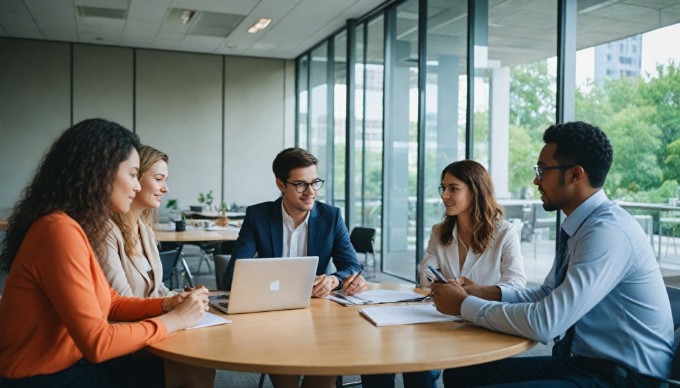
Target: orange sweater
x=57, y=304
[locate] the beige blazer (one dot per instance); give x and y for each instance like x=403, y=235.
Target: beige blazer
x=126, y=274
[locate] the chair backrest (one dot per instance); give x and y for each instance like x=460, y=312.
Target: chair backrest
x=221, y=262
x=169, y=261
x=674, y=297
x=362, y=239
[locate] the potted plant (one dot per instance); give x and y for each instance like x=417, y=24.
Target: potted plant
x=173, y=207
x=205, y=200
x=222, y=220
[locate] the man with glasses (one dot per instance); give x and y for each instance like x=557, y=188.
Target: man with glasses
x=297, y=225
x=603, y=304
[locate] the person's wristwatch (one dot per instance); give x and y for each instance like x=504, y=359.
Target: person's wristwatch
x=339, y=282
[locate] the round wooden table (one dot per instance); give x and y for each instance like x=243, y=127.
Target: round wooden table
x=330, y=339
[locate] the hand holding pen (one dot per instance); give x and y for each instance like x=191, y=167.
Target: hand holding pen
x=354, y=284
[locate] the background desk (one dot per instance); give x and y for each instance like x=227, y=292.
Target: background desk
x=3, y=224
x=329, y=339
x=195, y=236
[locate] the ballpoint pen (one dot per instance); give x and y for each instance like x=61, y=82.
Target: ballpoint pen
x=440, y=277
x=354, y=276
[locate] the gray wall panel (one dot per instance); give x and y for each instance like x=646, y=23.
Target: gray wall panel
x=252, y=140
x=102, y=83
x=35, y=107
x=179, y=111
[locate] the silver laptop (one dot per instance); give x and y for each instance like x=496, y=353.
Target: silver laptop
x=267, y=284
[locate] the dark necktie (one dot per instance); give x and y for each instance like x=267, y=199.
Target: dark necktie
x=562, y=347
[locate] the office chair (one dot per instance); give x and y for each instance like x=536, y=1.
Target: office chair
x=221, y=262
x=362, y=240
x=169, y=260
x=207, y=252
x=674, y=297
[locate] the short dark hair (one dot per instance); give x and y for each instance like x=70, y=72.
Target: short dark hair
x=583, y=144
x=76, y=177
x=292, y=158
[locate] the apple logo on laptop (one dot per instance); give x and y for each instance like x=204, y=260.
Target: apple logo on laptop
x=275, y=285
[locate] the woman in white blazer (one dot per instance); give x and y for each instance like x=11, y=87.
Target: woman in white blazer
x=473, y=242
x=132, y=264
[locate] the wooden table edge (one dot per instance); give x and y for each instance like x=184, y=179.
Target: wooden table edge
x=337, y=370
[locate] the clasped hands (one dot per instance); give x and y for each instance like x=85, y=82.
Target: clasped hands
x=448, y=297
x=352, y=285
x=197, y=296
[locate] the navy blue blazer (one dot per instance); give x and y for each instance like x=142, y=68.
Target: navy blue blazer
x=261, y=235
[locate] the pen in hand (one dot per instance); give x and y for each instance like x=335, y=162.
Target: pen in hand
x=440, y=277
x=349, y=282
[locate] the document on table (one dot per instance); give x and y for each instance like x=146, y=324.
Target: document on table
x=405, y=315
x=209, y=319
x=375, y=296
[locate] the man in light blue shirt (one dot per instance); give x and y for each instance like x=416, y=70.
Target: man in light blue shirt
x=611, y=303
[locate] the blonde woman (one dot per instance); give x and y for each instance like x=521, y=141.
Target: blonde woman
x=131, y=262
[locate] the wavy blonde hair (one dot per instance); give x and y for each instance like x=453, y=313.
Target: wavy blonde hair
x=148, y=156
x=485, y=212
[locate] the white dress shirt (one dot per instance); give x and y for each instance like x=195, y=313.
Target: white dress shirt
x=294, y=239
x=501, y=264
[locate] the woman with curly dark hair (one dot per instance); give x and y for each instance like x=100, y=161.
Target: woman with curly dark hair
x=56, y=306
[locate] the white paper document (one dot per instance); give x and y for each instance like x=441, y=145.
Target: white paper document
x=405, y=315
x=209, y=319
x=375, y=296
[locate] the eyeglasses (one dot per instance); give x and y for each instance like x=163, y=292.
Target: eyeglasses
x=539, y=170
x=301, y=187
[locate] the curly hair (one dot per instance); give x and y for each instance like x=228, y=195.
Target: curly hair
x=485, y=212
x=76, y=177
x=292, y=158
x=583, y=144
x=148, y=156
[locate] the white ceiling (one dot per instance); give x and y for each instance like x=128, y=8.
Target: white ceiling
x=296, y=24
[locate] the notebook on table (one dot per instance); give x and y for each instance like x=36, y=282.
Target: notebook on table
x=268, y=284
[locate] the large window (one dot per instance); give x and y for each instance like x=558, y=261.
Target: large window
x=411, y=116
x=401, y=151
x=320, y=122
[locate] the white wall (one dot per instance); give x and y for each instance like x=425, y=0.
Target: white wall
x=205, y=111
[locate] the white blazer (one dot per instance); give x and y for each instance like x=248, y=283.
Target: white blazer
x=127, y=275
x=501, y=264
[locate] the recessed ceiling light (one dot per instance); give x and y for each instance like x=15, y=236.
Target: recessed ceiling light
x=260, y=25
x=186, y=15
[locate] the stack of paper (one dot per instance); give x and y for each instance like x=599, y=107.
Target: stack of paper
x=210, y=319
x=376, y=296
x=404, y=315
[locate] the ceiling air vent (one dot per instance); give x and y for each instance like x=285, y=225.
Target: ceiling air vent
x=215, y=24
x=96, y=12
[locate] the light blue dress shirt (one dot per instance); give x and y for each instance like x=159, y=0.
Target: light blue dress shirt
x=613, y=292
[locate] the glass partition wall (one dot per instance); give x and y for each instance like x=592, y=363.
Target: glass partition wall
x=387, y=102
